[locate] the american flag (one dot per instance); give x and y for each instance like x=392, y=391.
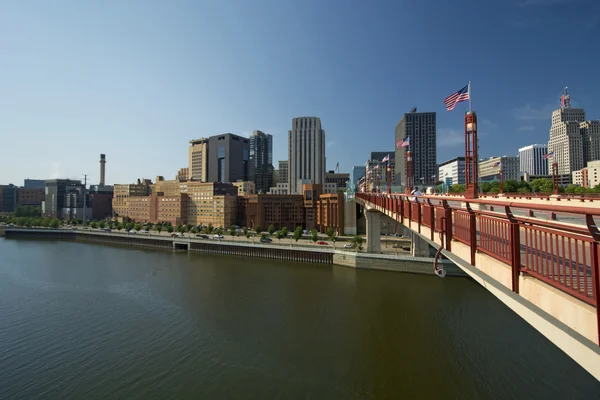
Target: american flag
x=376, y=167
x=455, y=98
x=403, y=143
x=549, y=155
x=386, y=158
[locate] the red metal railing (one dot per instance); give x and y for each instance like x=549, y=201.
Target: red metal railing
x=565, y=256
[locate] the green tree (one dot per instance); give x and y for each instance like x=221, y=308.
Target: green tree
x=571, y=188
x=119, y=226
x=102, y=224
x=245, y=231
x=194, y=230
x=314, y=235
x=158, y=228
x=170, y=228
x=258, y=230
x=232, y=231
x=332, y=236
x=542, y=185
x=271, y=229
x=280, y=235
x=284, y=231
x=458, y=188
x=357, y=242
x=189, y=227
x=298, y=233
x=93, y=225
x=209, y=228
x=54, y=224
x=485, y=187
x=220, y=230
x=510, y=186
x=137, y=227
x=181, y=228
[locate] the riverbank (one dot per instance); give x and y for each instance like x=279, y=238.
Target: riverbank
x=326, y=256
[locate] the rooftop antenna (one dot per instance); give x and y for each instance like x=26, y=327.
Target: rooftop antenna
x=565, y=99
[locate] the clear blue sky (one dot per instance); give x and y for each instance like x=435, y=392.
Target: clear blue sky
x=138, y=79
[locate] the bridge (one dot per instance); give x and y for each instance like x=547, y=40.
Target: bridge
x=539, y=256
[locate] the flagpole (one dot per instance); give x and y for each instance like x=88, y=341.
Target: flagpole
x=469, y=96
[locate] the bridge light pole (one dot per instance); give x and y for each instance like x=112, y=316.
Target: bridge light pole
x=555, y=177
x=409, y=172
x=471, y=156
x=389, y=177
x=501, y=180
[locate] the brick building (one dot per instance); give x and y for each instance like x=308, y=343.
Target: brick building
x=331, y=213
x=30, y=197
x=262, y=210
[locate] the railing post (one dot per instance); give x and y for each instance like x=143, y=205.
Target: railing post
x=431, y=219
x=419, y=214
x=409, y=212
x=472, y=233
x=448, y=227
x=515, y=248
x=596, y=282
x=595, y=232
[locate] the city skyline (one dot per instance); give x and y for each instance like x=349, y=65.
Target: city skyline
x=77, y=89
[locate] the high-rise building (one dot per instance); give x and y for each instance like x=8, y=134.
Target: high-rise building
x=283, y=171
x=565, y=137
x=452, y=172
x=261, y=161
x=590, y=134
x=228, y=158
x=358, y=171
x=8, y=198
x=531, y=159
x=306, y=153
x=489, y=168
x=198, y=160
x=420, y=128
x=376, y=170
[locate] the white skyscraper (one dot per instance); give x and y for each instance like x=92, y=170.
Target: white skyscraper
x=566, y=141
x=531, y=159
x=306, y=153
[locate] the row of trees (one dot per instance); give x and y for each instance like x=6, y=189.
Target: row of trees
x=540, y=185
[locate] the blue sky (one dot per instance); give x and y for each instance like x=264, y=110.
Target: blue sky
x=138, y=79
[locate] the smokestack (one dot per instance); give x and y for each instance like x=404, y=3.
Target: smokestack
x=102, y=169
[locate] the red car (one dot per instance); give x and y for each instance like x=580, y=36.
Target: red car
x=322, y=243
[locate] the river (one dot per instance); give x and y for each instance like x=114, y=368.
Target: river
x=81, y=321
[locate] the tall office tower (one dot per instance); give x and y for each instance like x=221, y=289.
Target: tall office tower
x=566, y=141
x=590, y=134
x=531, y=159
x=358, y=171
x=228, y=158
x=420, y=128
x=306, y=153
x=198, y=160
x=283, y=171
x=261, y=161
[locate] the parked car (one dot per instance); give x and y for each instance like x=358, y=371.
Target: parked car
x=146, y=231
x=266, y=240
x=322, y=243
x=174, y=234
x=218, y=237
x=133, y=231
x=348, y=246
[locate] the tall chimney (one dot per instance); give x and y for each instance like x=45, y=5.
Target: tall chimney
x=102, y=169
